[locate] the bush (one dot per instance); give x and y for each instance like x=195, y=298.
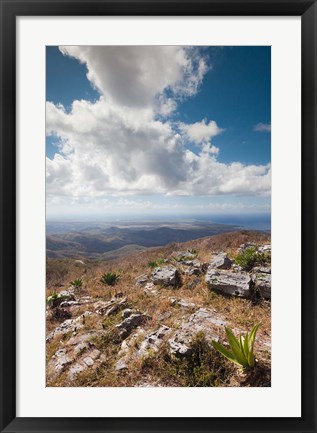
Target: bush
x=249, y=258
x=156, y=263
x=55, y=299
x=110, y=278
x=77, y=283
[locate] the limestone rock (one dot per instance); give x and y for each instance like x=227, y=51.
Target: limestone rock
x=262, y=283
x=182, y=256
x=141, y=280
x=192, y=267
x=121, y=365
x=153, y=341
x=221, y=261
x=182, y=303
x=127, y=325
x=203, y=320
x=150, y=289
x=229, y=283
x=166, y=276
x=70, y=325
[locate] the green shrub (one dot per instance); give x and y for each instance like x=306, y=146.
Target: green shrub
x=193, y=251
x=78, y=282
x=249, y=258
x=241, y=349
x=156, y=263
x=55, y=299
x=110, y=278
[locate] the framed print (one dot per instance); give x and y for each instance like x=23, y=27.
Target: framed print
x=158, y=175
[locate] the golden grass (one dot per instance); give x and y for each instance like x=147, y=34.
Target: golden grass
x=158, y=368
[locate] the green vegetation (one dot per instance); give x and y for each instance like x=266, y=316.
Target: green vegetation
x=241, y=349
x=198, y=367
x=156, y=263
x=55, y=299
x=77, y=283
x=110, y=278
x=193, y=251
x=201, y=367
x=249, y=258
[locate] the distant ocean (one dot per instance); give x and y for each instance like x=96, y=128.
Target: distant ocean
x=254, y=222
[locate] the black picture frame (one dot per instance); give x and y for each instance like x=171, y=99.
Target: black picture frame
x=10, y=9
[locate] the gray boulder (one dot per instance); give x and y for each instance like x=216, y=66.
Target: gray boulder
x=69, y=325
x=182, y=303
x=166, y=276
x=229, y=283
x=262, y=269
x=192, y=267
x=182, y=256
x=150, y=289
x=125, y=328
x=264, y=248
x=203, y=320
x=221, y=261
x=262, y=282
x=141, y=280
x=153, y=341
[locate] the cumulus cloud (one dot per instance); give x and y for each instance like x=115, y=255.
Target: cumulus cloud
x=262, y=127
x=200, y=132
x=123, y=145
x=134, y=76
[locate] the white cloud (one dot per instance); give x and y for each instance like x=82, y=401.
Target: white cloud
x=262, y=127
x=134, y=76
x=118, y=146
x=201, y=132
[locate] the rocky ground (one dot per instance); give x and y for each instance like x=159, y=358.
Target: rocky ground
x=154, y=327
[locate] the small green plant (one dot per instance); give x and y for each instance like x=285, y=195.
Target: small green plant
x=77, y=283
x=249, y=258
x=54, y=299
x=110, y=278
x=156, y=263
x=241, y=349
x=193, y=251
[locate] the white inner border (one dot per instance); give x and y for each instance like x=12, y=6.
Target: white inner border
x=34, y=399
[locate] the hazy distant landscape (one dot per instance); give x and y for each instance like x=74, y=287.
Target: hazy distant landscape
x=114, y=239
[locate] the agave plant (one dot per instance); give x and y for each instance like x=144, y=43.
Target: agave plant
x=156, y=263
x=241, y=349
x=54, y=299
x=110, y=278
x=78, y=282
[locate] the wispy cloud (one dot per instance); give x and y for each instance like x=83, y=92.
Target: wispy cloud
x=262, y=127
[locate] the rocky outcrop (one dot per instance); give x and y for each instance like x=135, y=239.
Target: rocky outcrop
x=183, y=256
x=70, y=325
x=221, y=261
x=182, y=303
x=150, y=289
x=203, y=320
x=115, y=304
x=262, y=284
x=77, y=355
x=229, y=283
x=141, y=344
x=141, y=280
x=125, y=328
x=191, y=267
x=166, y=276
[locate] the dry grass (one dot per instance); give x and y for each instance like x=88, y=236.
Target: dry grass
x=159, y=369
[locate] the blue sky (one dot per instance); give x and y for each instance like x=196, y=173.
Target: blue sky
x=158, y=130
